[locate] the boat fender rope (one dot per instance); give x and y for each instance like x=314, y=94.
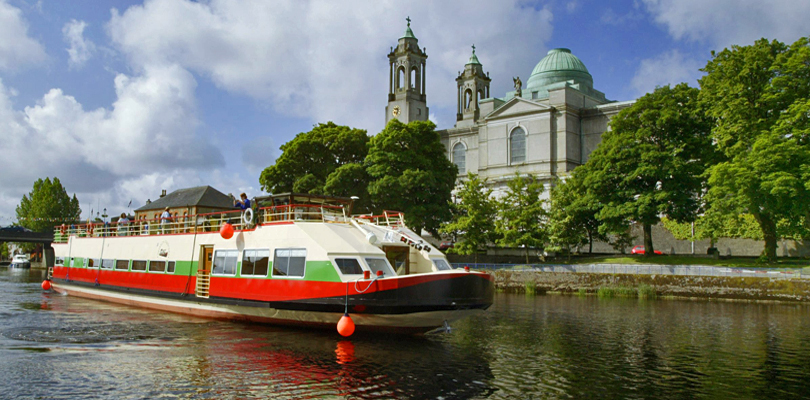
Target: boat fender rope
x=367, y=287
x=247, y=216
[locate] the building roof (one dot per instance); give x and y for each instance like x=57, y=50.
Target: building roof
x=559, y=65
x=200, y=196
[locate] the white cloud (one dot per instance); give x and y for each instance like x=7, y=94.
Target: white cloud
x=17, y=49
x=725, y=22
x=258, y=153
x=670, y=68
x=80, y=49
x=326, y=60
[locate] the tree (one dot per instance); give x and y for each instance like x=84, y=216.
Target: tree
x=650, y=163
x=572, y=214
x=326, y=160
x=473, y=217
x=410, y=172
x=46, y=206
x=521, y=218
x=758, y=96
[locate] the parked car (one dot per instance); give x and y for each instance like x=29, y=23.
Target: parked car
x=640, y=250
x=446, y=244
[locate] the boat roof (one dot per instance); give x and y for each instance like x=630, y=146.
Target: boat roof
x=305, y=198
x=200, y=196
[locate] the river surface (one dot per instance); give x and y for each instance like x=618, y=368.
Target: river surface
x=555, y=347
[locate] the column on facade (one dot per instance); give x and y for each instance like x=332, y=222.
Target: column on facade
x=423, y=76
x=390, y=77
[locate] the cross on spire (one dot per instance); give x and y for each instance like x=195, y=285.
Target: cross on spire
x=409, y=20
x=473, y=46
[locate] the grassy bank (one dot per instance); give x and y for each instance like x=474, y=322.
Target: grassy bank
x=732, y=262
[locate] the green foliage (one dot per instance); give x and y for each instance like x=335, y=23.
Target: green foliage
x=522, y=219
x=326, y=160
x=46, y=206
x=739, y=226
x=650, y=163
x=409, y=172
x=530, y=287
x=473, y=217
x=572, y=215
x=609, y=292
x=759, y=95
x=4, y=252
x=646, y=291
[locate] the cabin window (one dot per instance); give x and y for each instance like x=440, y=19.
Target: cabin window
x=254, y=262
x=94, y=263
x=107, y=263
x=139, y=265
x=349, y=266
x=59, y=261
x=170, y=267
x=380, y=264
x=85, y=262
x=225, y=262
x=122, y=265
x=290, y=262
x=157, y=266
x=441, y=264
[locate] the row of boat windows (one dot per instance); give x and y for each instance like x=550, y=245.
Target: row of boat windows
x=122, y=265
x=288, y=263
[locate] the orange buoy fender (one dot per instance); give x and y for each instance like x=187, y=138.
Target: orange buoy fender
x=345, y=326
x=46, y=285
x=226, y=231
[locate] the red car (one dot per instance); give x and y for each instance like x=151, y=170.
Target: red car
x=446, y=244
x=640, y=250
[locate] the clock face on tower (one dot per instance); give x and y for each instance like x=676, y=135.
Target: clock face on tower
x=396, y=111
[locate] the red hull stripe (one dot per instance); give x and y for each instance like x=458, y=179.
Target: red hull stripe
x=275, y=289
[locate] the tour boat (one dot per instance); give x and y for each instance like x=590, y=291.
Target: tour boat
x=303, y=260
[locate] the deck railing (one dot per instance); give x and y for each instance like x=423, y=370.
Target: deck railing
x=211, y=222
x=387, y=218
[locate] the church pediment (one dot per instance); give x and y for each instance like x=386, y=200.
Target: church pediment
x=515, y=107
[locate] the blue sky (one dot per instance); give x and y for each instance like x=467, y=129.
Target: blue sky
x=121, y=99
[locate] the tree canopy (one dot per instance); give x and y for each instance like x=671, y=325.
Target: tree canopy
x=409, y=172
x=522, y=218
x=326, y=160
x=572, y=214
x=46, y=206
x=650, y=163
x=473, y=216
x=758, y=96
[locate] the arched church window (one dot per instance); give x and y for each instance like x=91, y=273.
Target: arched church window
x=517, y=146
x=414, y=74
x=481, y=95
x=460, y=157
x=401, y=77
x=468, y=98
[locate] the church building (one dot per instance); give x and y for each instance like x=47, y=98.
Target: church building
x=546, y=128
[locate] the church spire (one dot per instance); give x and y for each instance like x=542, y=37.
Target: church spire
x=408, y=31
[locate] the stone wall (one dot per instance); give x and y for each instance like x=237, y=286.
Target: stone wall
x=664, y=285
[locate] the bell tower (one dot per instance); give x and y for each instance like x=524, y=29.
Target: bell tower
x=406, y=80
x=473, y=86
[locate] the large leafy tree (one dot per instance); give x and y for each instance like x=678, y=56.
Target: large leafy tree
x=572, y=214
x=46, y=206
x=410, y=172
x=758, y=95
x=326, y=160
x=473, y=217
x=651, y=162
x=522, y=218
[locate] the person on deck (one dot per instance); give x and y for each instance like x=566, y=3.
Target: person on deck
x=164, y=220
x=243, y=202
x=123, y=225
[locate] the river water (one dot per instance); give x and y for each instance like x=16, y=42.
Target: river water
x=555, y=347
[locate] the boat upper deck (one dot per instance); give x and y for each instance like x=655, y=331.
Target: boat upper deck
x=212, y=222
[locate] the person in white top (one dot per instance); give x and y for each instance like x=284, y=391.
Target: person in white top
x=123, y=225
x=165, y=219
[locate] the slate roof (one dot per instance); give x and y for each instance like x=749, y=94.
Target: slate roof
x=200, y=196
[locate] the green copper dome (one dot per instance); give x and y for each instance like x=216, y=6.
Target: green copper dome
x=473, y=58
x=408, y=32
x=559, y=66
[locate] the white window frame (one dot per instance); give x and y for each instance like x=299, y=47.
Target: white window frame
x=453, y=152
x=288, y=267
x=115, y=265
x=269, y=264
x=387, y=263
x=214, y=260
x=149, y=266
x=433, y=261
x=132, y=265
x=112, y=261
x=363, y=266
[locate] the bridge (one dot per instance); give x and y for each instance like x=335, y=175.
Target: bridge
x=45, y=238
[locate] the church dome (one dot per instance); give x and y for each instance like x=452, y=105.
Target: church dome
x=559, y=66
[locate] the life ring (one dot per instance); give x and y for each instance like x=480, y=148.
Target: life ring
x=89, y=229
x=63, y=229
x=247, y=216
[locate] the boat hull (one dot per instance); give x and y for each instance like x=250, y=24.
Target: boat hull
x=415, y=304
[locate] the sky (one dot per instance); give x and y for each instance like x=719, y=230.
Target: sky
x=122, y=99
